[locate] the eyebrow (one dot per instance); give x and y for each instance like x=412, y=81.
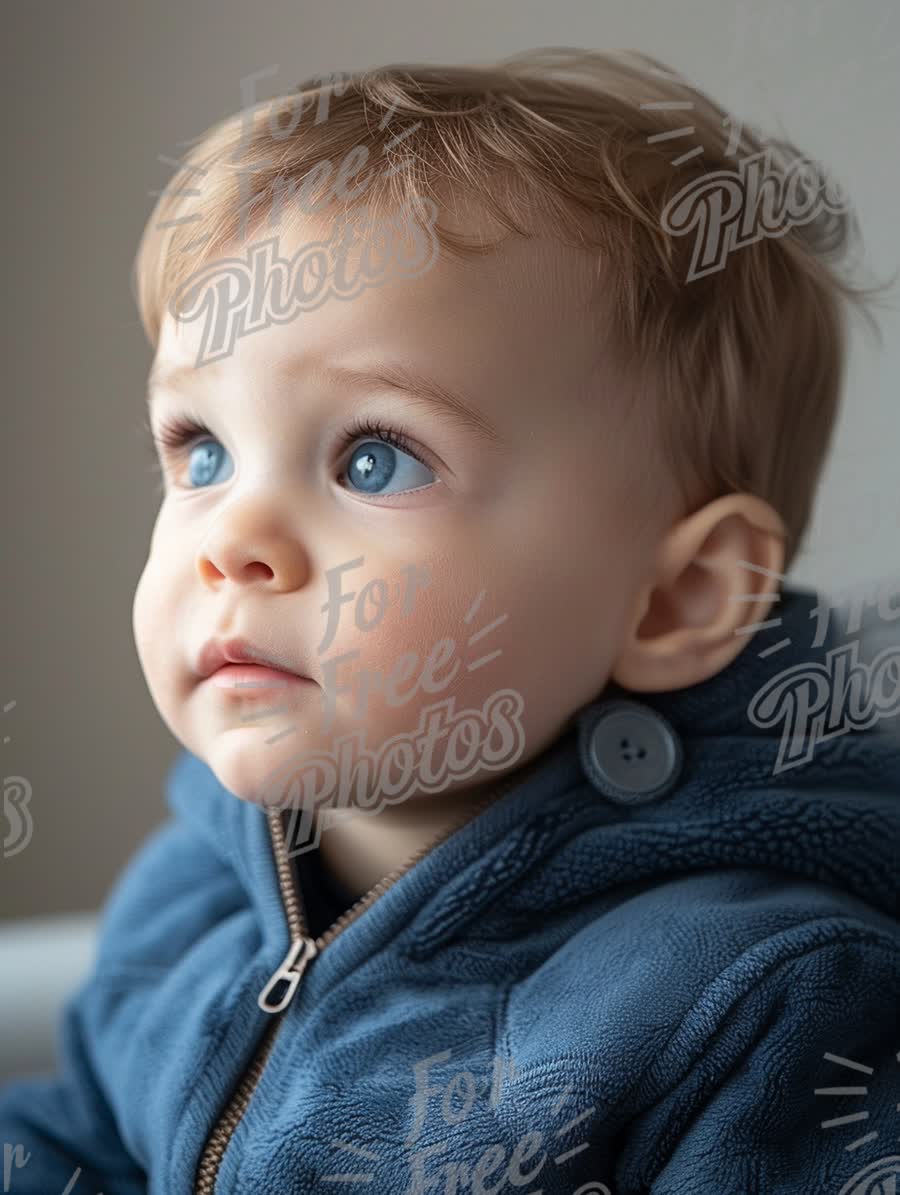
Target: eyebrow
x=393, y=375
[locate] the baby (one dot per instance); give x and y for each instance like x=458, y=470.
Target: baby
x=521, y=838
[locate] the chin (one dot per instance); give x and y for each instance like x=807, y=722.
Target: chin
x=261, y=772
x=240, y=760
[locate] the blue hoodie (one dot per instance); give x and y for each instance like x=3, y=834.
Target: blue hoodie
x=662, y=957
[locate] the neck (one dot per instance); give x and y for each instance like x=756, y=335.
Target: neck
x=358, y=852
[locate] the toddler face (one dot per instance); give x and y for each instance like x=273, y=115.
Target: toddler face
x=504, y=530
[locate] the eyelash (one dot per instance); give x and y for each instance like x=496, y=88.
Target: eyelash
x=176, y=432
x=374, y=429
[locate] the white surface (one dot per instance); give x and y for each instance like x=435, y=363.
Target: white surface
x=42, y=960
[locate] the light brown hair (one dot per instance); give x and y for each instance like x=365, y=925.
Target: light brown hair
x=739, y=372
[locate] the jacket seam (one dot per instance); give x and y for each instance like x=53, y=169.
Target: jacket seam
x=853, y=931
x=501, y=1027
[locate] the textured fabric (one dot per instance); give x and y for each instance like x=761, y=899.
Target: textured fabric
x=566, y=991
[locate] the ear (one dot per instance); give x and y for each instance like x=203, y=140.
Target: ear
x=716, y=571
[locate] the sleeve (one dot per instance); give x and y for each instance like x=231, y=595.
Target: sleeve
x=795, y=1089
x=66, y=1134
x=58, y=1133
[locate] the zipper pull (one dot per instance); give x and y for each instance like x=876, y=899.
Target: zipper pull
x=289, y=972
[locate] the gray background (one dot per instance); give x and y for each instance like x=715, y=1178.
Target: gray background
x=96, y=90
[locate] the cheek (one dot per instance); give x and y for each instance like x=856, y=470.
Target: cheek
x=152, y=630
x=416, y=659
x=141, y=614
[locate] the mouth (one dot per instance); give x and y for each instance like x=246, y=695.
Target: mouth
x=249, y=678
x=239, y=666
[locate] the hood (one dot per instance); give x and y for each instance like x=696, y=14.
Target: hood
x=762, y=766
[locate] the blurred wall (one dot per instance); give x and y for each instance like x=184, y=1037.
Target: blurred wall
x=97, y=93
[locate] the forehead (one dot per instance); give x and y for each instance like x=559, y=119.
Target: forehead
x=503, y=310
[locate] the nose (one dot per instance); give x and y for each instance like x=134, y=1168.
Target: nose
x=249, y=545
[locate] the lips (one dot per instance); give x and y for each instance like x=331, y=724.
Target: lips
x=218, y=654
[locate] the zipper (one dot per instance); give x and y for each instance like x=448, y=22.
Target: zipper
x=302, y=950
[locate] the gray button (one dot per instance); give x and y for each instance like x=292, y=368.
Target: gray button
x=629, y=752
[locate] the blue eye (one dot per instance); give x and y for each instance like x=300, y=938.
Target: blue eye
x=175, y=435
x=377, y=463
x=205, y=461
